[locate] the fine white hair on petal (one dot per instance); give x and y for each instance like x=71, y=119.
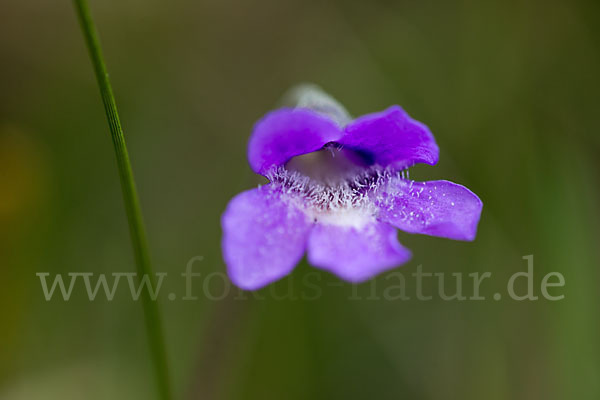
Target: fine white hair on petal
x=345, y=200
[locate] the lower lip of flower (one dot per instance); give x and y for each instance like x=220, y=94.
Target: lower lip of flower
x=330, y=187
x=344, y=201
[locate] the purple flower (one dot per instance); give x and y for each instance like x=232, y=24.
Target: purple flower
x=338, y=190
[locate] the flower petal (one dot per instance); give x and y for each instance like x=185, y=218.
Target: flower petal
x=286, y=133
x=436, y=208
x=391, y=138
x=264, y=237
x=356, y=254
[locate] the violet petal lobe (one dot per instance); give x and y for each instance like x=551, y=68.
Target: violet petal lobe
x=391, y=138
x=286, y=133
x=435, y=208
x=356, y=254
x=264, y=237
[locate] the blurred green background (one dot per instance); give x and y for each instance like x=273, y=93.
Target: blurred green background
x=509, y=88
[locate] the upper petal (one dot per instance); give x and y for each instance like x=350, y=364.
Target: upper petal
x=264, y=237
x=286, y=133
x=391, y=138
x=436, y=208
x=356, y=253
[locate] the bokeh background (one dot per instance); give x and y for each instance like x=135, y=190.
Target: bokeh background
x=509, y=88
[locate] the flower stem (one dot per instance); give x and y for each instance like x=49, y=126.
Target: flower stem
x=130, y=197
